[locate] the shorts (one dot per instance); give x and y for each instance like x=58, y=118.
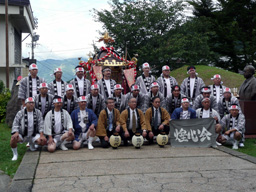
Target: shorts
x=81, y=137
x=30, y=139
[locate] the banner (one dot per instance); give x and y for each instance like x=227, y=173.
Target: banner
x=193, y=132
x=97, y=71
x=129, y=75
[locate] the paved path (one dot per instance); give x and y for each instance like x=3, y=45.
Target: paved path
x=147, y=169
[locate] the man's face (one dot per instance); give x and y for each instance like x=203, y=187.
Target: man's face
x=132, y=103
x=57, y=105
x=176, y=93
x=154, y=89
x=44, y=91
x=82, y=105
x=80, y=74
x=107, y=73
x=217, y=81
x=30, y=106
x=206, y=95
x=146, y=70
x=192, y=71
x=33, y=72
x=118, y=92
x=135, y=93
x=206, y=104
x=227, y=95
x=70, y=92
x=156, y=103
x=166, y=72
x=95, y=92
x=247, y=72
x=234, y=112
x=58, y=75
x=185, y=105
x=111, y=104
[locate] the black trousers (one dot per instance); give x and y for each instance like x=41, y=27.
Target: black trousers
x=105, y=144
x=125, y=139
x=157, y=131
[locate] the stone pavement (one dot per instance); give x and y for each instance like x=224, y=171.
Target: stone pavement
x=147, y=169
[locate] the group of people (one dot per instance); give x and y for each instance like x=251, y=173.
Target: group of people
x=77, y=112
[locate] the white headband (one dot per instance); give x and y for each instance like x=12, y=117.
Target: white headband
x=33, y=66
x=118, y=86
x=82, y=98
x=57, y=70
x=216, y=76
x=43, y=85
x=57, y=100
x=227, y=90
x=233, y=107
x=145, y=65
x=165, y=68
x=79, y=69
x=135, y=87
x=29, y=99
x=95, y=86
x=154, y=84
x=184, y=100
x=69, y=87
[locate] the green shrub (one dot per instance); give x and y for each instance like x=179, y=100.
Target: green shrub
x=5, y=96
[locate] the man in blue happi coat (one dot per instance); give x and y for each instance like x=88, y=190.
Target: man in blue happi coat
x=184, y=112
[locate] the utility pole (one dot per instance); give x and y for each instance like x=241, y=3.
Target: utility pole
x=7, y=43
x=35, y=38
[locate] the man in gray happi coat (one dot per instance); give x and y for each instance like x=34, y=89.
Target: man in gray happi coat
x=217, y=88
x=57, y=86
x=154, y=92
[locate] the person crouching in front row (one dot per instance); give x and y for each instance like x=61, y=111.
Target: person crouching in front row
x=184, y=112
x=58, y=126
x=157, y=120
x=108, y=123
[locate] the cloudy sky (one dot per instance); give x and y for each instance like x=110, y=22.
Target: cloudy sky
x=67, y=28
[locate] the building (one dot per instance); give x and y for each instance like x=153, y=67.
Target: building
x=21, y=20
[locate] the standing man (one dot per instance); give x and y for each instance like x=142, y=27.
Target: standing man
x=233, y=126
x=226, y=101
x=43, y=101
x=106, y=84
x=217, y=89
x=154, y=92
x=140, y=98
x=173, y=101
x=166, y=82
x=80, y=84
x=132, y=121
x=145, y=80
x=28, y=85
x=119, y=98
x=192, y=85
x=247, y=90
x=57, y=86
x=95, y=101
x=69, y=100
x=84, y=122
x=108, y=123
x=185, y=112
x=157, y=120
x=27, y=127
x=58, y=126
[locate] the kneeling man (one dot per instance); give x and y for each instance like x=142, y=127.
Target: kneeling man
x=58, y=126
x=157, y=119
x=84, y=122
x=109, y=122
x=184, y=112
x=27, y=127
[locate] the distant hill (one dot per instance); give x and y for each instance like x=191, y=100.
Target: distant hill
x=46, y=67
x=230, y=79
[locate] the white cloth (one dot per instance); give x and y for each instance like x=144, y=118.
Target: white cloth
x=131, y=114
x=30, y=123
x=233, y=122
x=108, y=86
x=57, y=119
x=43, y=103
x=185, y=114
x=217, y=93
x=168, y=84
x=80, y=85
x=192, y=84
x=206, y=113
x=58, y=83
x=34, y=87
x=94, y=101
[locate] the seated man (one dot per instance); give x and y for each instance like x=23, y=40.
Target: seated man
x=69, y=100
x=43, y=101
x=108, y=123
x=205, y=92
x=27, y=127
x=207, y=112
x=226, y=101
x=157, y=120
x=185, y=112
x=84, y=123
x=119, y=98
x=132, y=121
x=233, y=126
x=58, y=126
x=173, y=101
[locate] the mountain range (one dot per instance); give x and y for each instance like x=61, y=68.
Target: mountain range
x=46, y=68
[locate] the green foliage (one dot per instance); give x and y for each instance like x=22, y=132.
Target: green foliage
x=5, y=96
x=6, y=164
x=249, y=147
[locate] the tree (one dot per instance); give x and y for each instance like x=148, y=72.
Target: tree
x=143, y=27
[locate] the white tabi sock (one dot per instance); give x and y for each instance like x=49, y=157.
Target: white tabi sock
x=62, y=145
x=15, y=154
x=90, y=140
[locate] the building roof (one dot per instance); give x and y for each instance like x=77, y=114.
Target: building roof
x=16, y=2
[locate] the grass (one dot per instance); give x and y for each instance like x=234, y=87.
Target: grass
x=230, y=79
x=6, y=164
x=249, y=147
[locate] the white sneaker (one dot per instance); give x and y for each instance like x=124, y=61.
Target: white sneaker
x=27, y=145
x=62, y=146
x=241, y=145
x=90, y=146
x=217, y=143
x=15, y=157
x=235, y=146
x=32, y=147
